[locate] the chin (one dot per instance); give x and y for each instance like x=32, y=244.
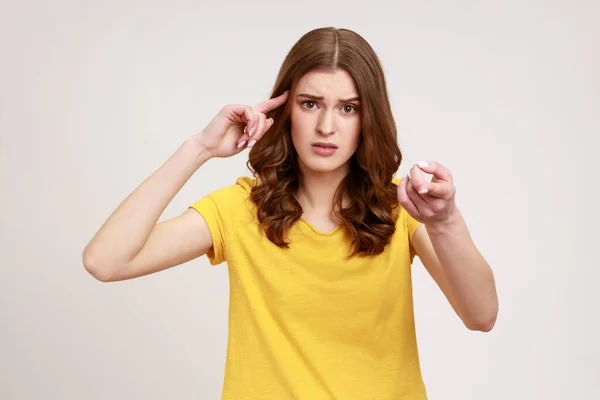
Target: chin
x=322, y=165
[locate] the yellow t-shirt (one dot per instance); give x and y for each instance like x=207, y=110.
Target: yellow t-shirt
x=305, y=323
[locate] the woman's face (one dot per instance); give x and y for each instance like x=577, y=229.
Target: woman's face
x=325, y=121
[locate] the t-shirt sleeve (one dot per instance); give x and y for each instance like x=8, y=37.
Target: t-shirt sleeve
x=411, y=226
x=410, y=223
x=213, y=212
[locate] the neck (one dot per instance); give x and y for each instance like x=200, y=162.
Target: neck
x=316, y=190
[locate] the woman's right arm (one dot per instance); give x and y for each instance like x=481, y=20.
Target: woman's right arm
x=131, y=243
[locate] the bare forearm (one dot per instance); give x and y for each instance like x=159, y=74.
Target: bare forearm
x=468, y=274
x=127, y=229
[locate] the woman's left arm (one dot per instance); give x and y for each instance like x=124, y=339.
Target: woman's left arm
x=445, y=247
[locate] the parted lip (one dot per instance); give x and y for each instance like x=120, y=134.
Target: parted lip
x=325, y=144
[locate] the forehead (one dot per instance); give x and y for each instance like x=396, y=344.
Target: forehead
x=336, y=84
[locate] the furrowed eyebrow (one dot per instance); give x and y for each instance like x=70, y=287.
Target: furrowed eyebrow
x=313, y=97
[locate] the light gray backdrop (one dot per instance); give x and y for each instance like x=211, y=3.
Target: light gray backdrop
x=96, y=95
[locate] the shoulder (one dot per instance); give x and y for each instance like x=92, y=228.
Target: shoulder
x=245, y=184
x=240, y=189
x=227, y=197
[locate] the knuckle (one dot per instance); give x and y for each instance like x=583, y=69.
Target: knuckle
x=227, y=109
x=437, y=207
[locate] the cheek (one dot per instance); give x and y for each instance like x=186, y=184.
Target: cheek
x=300, y=126
x=355, y=130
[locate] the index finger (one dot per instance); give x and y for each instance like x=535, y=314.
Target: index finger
x=441, y=190
x=271, y=104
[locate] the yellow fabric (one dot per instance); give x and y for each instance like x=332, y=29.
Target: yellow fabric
x=304, y=323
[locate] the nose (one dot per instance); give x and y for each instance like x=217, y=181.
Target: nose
x=326, y=124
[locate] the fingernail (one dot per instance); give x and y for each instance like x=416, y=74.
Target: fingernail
x=243, y=142
x=423, y=191
x=405, y=176
x=251, y=143
x=251, y=131
x=423, y=164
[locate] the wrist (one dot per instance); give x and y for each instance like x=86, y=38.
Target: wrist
x=452, y=223
x=196, y=148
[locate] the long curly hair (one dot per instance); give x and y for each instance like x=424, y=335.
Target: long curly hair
x=369, y=195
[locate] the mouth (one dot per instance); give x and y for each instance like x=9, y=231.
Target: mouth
x=324, y=149
x=325, y=145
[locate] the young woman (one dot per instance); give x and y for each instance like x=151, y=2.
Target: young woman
x=319, y=243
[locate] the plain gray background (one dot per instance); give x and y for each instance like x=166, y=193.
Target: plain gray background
x=95, y=96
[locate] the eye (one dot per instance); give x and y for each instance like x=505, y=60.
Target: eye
x=307, y=103
x=349, y=109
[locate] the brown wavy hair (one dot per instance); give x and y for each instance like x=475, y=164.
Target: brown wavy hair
x=368, y=191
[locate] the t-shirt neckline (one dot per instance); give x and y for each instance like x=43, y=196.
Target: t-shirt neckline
x=318, y=231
